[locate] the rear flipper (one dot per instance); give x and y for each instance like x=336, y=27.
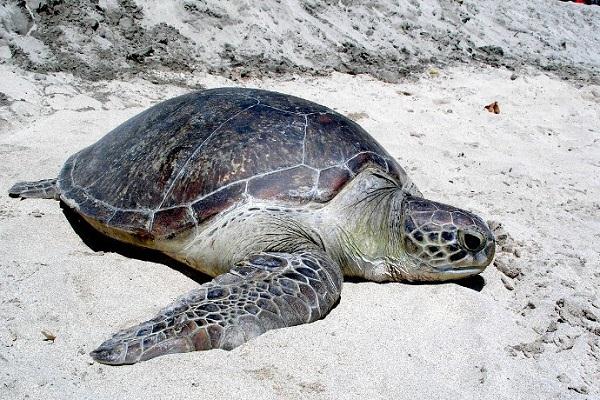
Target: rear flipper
x=265, y=291
x=44, y=189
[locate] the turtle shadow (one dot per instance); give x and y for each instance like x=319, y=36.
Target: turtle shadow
x=98, y=242
x=475, y=283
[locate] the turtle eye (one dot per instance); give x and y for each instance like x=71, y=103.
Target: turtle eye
x=472, y=241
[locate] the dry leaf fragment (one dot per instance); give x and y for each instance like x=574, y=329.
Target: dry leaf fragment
x=493, y=108
x=49, y=336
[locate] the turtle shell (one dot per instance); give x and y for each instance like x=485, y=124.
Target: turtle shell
x=184, y=160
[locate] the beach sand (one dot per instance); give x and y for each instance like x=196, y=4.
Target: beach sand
x=530, y=332
x=528, y=329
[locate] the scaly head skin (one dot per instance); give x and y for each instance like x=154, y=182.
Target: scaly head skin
x=385, y=234
x=438, y=242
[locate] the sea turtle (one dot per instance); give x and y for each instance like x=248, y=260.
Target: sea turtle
x=276, y=197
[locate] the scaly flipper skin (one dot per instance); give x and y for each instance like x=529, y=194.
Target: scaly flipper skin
x=44, y=189
x=265, y=291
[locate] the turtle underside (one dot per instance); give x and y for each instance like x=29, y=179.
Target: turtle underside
x=185, y=160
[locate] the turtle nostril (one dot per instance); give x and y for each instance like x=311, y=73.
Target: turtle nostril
x=472, y=242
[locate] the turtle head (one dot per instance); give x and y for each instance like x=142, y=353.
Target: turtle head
x=440, y=242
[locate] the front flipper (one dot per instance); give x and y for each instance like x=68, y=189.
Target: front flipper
x=44, y=189
x=265, y=291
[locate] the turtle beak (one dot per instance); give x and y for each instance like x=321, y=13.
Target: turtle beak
x=472, y=264
x=451, y=272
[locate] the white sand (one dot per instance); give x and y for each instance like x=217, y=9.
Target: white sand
x=534, y=167
x=532, y=332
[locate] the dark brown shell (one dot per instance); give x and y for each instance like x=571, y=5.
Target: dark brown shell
x=189, y=158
